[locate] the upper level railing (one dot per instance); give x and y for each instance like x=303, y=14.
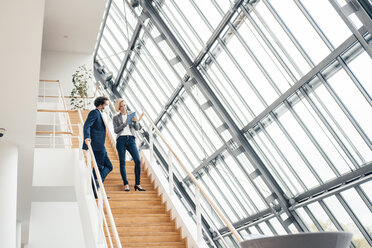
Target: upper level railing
x=60, y=133
x=54, y=127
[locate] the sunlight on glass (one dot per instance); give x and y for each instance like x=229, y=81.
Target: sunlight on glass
x=360, y=67
x=345, y=221
x=328, y=20
x=353, y=99
x=301, y=29
x=280, y=40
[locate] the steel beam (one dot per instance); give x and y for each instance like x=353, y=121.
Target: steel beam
x=220, y=109
x=103, y=25
x=128, y=53
x=305, y=79
x=244, y=222
x=330, y=187
x=216, y=33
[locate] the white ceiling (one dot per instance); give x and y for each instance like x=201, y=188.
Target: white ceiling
x=78, y=20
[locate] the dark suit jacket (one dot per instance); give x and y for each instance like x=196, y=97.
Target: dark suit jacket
x=95, y=129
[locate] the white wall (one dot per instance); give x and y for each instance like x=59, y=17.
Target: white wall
x=61, y=66
x=55, y=224
x=8, y=194
x=62, y=187
x=53, y=167
x=21, y=26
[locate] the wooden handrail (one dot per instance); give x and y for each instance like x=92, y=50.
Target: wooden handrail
x=51, y=132
x=106, y=202
x=193, y=179
x=49, y=81
x=87, y=97
x=53, y=110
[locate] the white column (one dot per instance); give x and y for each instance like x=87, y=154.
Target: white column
x=8, y=194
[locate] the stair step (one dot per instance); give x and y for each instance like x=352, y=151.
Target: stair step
x=135, y=215
x=132, y=197
x=120, y=185
x=157, y=245
x=144, y=228
x=148, y=190
x=135, y=204
x=128, y=240
x=133, y=194
x=149, y=233
x=137, y=210
x=115, y=173
x=149, y=225
x=131, y=233
x=110, y=187
x=138, y=199
x=139, y=219
x=119, y=181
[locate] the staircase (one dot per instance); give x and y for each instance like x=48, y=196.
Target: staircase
x=141, y=218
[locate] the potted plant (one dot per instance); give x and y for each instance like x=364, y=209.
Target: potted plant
x=79, y=92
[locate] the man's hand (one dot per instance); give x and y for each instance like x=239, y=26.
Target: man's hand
x=134, y=119
x=87, y=140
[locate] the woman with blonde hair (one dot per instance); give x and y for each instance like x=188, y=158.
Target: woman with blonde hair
x=124, y=127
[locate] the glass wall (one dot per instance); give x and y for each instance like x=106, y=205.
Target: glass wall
x=292, y=77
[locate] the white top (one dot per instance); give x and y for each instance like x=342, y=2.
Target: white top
x=126, y=130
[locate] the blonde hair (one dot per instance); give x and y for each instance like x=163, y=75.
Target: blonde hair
x=117, y=104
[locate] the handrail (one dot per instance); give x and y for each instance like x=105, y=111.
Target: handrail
x=48, y=81
x=53, y=110
x=86, y=97
x=100, y=183
x=51, y=132
x=193, y=179
x=90, y=158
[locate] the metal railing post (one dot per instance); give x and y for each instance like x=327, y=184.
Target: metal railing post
x=198, y=215
x=170, y=173
x=151, y=137
x=54, y=130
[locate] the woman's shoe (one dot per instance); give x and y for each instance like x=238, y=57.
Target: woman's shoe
x=138, y=188
x=126, y=188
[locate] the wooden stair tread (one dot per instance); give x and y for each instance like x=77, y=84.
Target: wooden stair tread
x=156, y=245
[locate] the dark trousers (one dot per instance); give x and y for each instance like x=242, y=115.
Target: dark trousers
x=124, y=143
x=104, y=165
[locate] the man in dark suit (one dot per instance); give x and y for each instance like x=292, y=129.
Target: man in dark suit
x=95, y=133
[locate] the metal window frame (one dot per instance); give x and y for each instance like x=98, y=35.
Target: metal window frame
x=287, y=205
